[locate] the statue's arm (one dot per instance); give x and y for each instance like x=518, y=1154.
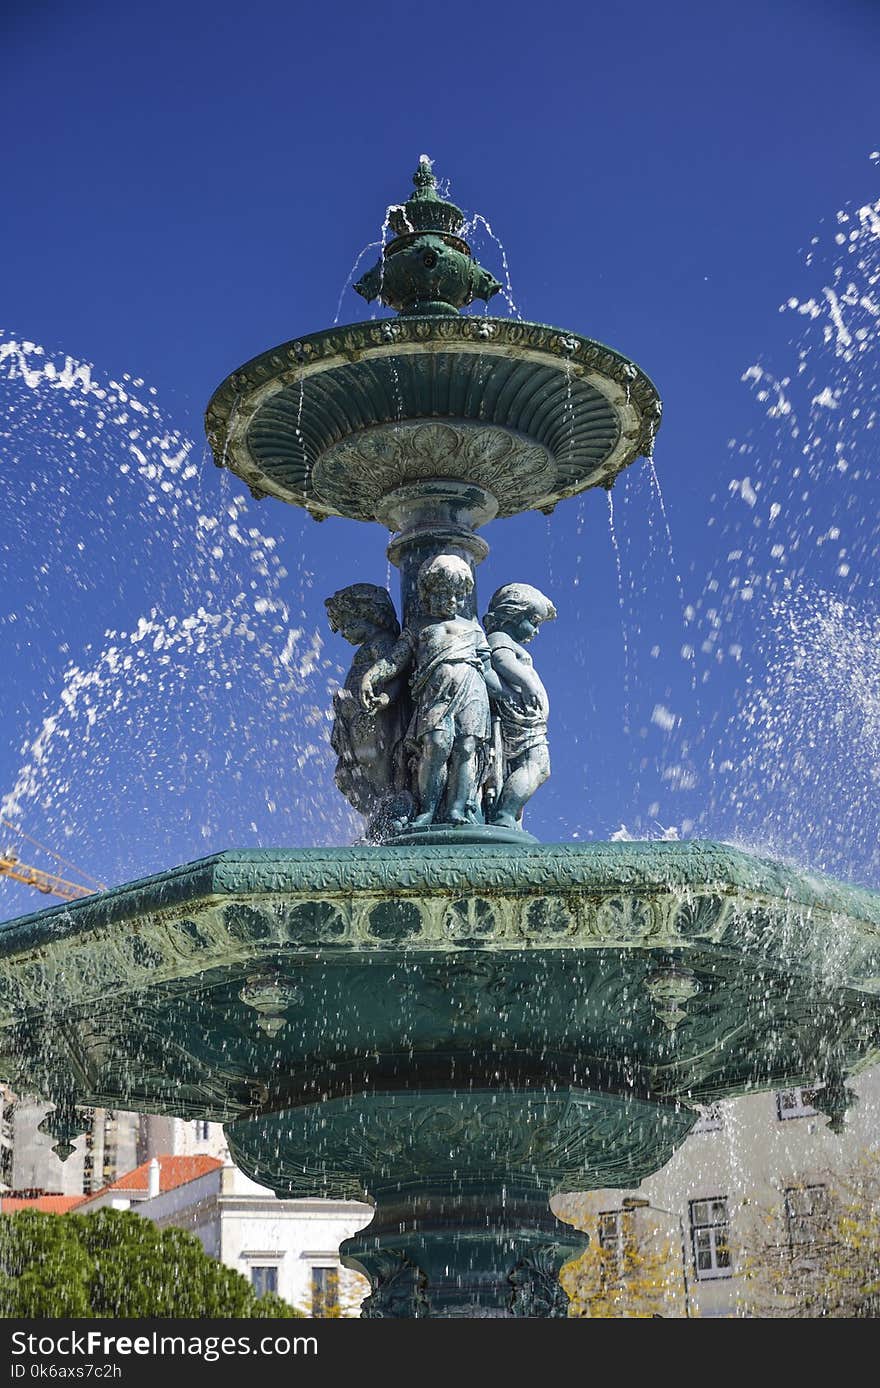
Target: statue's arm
x=517, y=675
x=493, y=683
x=389, y=668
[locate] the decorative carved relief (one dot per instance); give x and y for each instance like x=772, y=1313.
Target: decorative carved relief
x=625, y=919
x=400, y=1288
x=470, y=920
x=355, y=474
x=549, y=916
x=314, y=922
x=671, y=988
x=271, y=998
x=536, y=1288
x=395, y=921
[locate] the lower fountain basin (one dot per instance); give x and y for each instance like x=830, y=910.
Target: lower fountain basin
x=249, y=982
x=439, y=1027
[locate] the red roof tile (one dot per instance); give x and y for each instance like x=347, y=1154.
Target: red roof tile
x=46, y=1204
x=173, y=1172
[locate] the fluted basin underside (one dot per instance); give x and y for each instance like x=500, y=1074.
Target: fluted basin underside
x=532, y=414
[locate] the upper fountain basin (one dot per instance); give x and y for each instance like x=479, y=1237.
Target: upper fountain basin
x=338, y=420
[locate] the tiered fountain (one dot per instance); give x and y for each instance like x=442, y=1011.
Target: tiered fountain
x=450, y=1019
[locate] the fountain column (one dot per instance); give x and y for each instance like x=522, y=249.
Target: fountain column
x=463, y=1255
x=432, y=517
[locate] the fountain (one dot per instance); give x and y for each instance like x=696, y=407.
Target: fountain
x=448, y=1019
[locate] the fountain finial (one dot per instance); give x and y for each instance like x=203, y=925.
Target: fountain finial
x=428, y=267
x=424, y=174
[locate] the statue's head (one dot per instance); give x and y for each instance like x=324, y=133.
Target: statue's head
x=360, y=610
x=518, y=610
x=445, y=583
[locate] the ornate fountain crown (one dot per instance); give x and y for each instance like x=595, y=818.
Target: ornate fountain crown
x=337, y=420
x=425, y=210
x=428, y=267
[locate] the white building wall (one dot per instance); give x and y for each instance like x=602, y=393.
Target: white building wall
x=179, y=1137
x=247, y=1226
x=750, y=1161
x=34, y=1165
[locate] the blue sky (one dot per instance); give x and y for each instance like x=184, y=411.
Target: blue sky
x=188, y=184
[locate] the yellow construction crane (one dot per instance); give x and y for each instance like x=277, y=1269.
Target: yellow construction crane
x=49, y=883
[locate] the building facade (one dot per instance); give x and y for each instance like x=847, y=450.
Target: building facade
x=290, y=1247
x=754, y=1173
x=114, y=1142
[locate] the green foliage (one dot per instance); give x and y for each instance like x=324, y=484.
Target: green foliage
x=116, y=1264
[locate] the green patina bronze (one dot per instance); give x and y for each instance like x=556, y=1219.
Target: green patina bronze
x=431, y=425
x=427, y=268
x=336, y=420
x=423, y=1027
x=454, y=1022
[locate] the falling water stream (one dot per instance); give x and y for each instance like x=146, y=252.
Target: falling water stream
x=197, y=711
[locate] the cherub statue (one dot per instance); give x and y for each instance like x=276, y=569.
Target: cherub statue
x=370, y=767
x=521, y=710
x=450, y=682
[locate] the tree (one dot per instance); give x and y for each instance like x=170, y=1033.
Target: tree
x=344, y=1293
x=116, y=1264
x=627, y=1270
x=817, y=1254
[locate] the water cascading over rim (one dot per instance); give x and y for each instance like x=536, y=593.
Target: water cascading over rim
x=433, y=424
x=333, y=421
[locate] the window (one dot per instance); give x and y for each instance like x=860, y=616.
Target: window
x=203, y=1130
x=711, y=1119
x=325, y=1292
x=264, y=1278
x=90, y=1184
x=108, y=1165
x=806, y=1214
x=611, y=1231
x=612, y=1235
x=7, y=1113
x=795, y=1103
x=710, y=1232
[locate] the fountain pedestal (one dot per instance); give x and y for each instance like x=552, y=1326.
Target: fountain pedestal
x=463, y=1256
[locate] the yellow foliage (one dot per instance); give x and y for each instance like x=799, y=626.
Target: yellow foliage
x=826, y=1264
x=639, y=1275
